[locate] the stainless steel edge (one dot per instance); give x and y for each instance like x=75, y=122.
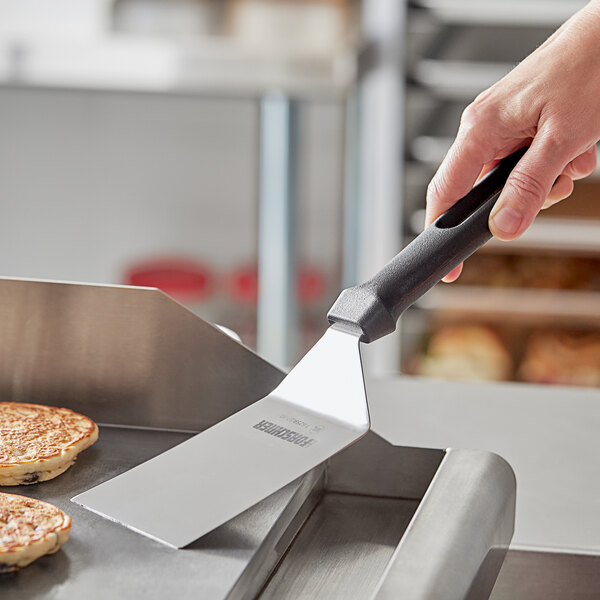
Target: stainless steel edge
x=375, y=467
x=280, y=537
x=456, y=542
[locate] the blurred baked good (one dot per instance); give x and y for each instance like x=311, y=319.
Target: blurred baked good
x=29, y=529
x=468, y=352
x=40, y=442
x=568, y=358
x=541, y=272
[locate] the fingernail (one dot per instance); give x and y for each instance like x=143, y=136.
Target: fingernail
x=506, y=220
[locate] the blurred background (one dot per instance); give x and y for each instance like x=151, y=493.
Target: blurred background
x=251, y=157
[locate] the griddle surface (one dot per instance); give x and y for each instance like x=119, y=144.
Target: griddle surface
x=105, y=560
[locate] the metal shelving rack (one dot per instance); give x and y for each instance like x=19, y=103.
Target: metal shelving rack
x=456, y=49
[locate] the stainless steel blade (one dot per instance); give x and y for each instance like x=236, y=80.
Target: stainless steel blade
x=182, y=494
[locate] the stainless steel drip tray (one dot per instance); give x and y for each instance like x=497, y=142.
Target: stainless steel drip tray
x=339, y=532
x=343, y=549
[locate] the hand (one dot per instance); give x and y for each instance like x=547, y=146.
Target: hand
x=551, y=102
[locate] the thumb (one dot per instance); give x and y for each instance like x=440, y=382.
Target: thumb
x=527, y=188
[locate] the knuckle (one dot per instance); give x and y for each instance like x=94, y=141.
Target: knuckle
x=558, y=139
x=481, y=109
x=556, y=142
x=527, y=187
x=468, y=114
x=434, y=189
x=591, y=158
x=470, y=118
x=476, y=129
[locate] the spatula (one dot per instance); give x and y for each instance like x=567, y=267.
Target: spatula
x=317, y=410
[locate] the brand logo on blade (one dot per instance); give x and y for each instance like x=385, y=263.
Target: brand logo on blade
x=289, y=435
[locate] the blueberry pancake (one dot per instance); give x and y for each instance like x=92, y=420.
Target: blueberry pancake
x=38, y=442
x=29, y=529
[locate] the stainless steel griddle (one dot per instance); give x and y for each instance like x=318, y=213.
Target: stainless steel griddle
x=376, y=521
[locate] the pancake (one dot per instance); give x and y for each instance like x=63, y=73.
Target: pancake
x=38, y=442
x=29, y=529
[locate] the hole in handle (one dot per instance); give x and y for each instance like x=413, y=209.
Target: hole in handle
x=466, y=207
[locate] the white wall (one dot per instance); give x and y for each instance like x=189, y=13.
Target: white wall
x=91, y=181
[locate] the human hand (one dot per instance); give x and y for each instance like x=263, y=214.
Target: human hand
x=549, y=102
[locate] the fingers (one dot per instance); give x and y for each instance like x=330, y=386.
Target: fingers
x=583, y=165
x=527, y=188
x=453, y=180
x=486, y=169
x=562, y=188
x=455, y=176
x=453, y=275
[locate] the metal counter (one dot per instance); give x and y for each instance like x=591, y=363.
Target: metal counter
x=549, y=434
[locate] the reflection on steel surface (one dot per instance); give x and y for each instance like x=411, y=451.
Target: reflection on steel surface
x=123, y=355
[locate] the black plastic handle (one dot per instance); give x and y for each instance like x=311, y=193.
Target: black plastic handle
x=373, y=307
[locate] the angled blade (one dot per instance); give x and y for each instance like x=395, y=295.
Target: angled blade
x=186, y=492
